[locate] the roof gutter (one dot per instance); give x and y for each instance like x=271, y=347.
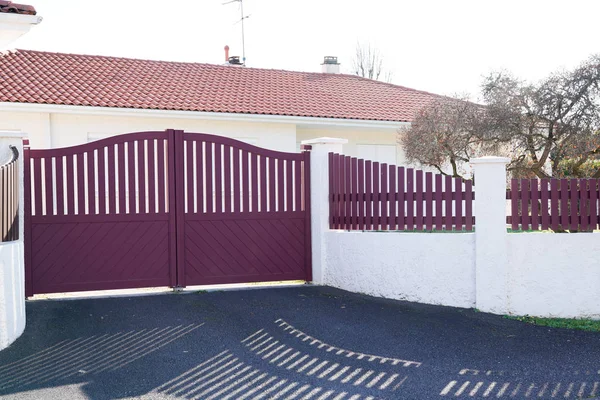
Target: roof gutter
x=308, y=122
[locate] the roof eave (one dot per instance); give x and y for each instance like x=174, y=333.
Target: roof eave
x=308, y=122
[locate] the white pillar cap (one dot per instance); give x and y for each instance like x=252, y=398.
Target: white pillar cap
x=490, y=160
x=325, y=140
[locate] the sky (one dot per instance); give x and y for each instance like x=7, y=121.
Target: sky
x=440, y=46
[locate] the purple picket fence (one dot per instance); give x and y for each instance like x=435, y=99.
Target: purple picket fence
x=557, y=204
x=368, y=195
x=9, y=198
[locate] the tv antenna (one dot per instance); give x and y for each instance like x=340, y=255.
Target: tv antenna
x=242, y=18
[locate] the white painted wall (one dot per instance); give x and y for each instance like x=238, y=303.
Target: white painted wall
x=433, y=268
x=12, y=292
x=554, y=274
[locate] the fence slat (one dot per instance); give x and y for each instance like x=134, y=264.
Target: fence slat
x=111, y=180
x=130, y=176
x=361, y=194
x=289, y=184
x=410, y=202
x=525, y=204
x=333, y=191
x=189, y=182
x=227, y=177
x=272, y=183
x=439, y=223
x=368, y=195
x=535, y=204
x=70, y=187
x=263, y=184
x=209, y=178
x=121, y=166
x=564, y=204
x=458, y=202
x=354, y=195
x=60, y=186
x=347, y=193
x=80, y=185
x=584, y=206
x=280, y=185
x=428, y=201
x=554, y=202
x=383, y=201
x=392, y=190
x=141, y=150
x=448, y=202
x=469, y=205
x=593, y=204
x=545, y=196
x=91, y=182
x=246, y=180
x=160, y=166
x=255, y=192
x=514, y=204
x=219, y=178
x=237, y=186
x=573, y=200
x=419, y=199
x=152, y=178
x=401, y=199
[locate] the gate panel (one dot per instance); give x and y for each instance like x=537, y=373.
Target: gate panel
x=98, y=215
x=242, y=212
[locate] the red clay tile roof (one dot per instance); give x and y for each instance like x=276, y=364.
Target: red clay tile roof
x=68, y=79
x=10, y=7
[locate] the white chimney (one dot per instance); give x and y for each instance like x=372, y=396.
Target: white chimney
x=330, y=65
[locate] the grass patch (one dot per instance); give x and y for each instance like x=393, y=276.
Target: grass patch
x=580, y=324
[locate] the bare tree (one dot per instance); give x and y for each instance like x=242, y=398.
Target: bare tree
x=368, y=63
x=551, y=128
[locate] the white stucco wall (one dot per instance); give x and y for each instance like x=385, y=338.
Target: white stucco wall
x=433, y=268
x=554, y=275
x=12, y=292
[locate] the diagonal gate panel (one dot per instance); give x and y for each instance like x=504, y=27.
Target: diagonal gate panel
x=242, y=212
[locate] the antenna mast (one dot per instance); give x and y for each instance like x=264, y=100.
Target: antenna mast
x=242, y=18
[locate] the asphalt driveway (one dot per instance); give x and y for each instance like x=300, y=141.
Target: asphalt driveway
x=305, y=342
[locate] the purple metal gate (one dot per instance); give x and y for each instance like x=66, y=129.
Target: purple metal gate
x=164, y=209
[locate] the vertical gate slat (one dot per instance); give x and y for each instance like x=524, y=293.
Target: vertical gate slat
x=91, y=181
x=237, y=186
x=227, y=178
x=383, y=196
x=583, y=205
x=448, y=196
x=209, y=178
x=272, y=185
x=392, y=197
x=573, y=197
x=49, y=183
x=289, y=187
x=37, y=185
x=250, y=174
x=361, y=194
x=410, y=200
x=70, y=186
x=438, y=202
x=331, y=197
x=514, y=204
x=219, y=178
x=152, y=177
x=400, y=193
x=354, y=195
x=368, y=195
x=80, y=185
x=593, y=204
x=428, y=201
x=280, y=185
x=469, y=205
x=564, y=204
x=160, y=161
x=554, y=199
x=121, y=163
x=376, y=194
x=544, y=199
x=535, y=209
x=141, y=176
x=132, y=195
x=60, y=187
x=255, y=183
x=525, y=204
x=298, y=185
x=111, y=180
x=419, y=199
x=458, y=202
x=263, y=184
x=348, y=193
x=189, y=170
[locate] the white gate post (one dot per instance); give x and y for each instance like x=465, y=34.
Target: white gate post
x=491, y=255
x=319, y=199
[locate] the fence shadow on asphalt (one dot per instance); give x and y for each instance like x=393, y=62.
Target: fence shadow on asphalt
x=86, y=357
